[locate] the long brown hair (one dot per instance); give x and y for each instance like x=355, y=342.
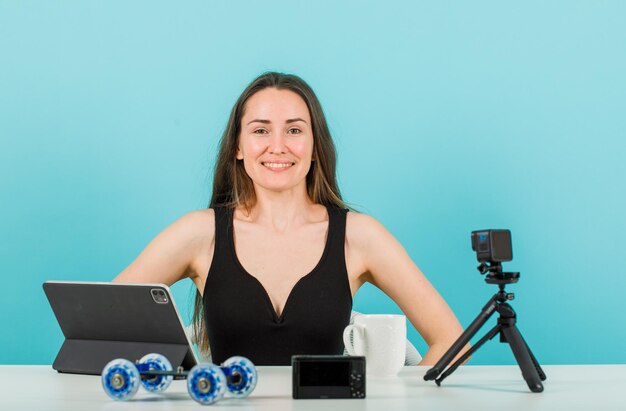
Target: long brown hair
x=232, y=187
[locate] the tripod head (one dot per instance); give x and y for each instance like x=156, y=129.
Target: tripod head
x=496, y=275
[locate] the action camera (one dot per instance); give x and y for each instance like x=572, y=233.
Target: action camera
x=492, y=245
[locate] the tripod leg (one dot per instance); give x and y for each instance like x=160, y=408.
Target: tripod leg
x=492, y=333
x=523, y=356
x=458, y=345
x=542, y=374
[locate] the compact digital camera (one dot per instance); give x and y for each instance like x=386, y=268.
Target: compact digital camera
x=328, y=376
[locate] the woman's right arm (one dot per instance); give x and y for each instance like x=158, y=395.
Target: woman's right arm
x=180, y=251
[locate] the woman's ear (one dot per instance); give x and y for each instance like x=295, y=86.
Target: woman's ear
x=239, y=156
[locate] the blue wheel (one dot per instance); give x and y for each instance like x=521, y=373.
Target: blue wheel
x=241, y=376
x=206, y=383
x=157, y=362
x=120, y=379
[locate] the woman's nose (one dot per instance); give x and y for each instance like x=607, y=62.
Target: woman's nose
x=277, y=144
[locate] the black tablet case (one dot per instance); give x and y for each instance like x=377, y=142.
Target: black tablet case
x=105, y=321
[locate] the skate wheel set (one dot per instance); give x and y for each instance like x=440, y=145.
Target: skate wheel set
x=206, y=383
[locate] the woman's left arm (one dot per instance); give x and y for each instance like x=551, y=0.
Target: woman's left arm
x=388, y=266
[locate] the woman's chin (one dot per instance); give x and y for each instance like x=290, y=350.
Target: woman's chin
x=278, y=188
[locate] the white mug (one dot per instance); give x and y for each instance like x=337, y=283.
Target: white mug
x=381, y=338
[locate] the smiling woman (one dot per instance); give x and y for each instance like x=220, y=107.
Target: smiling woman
x=277, y=257
x=232, y=186
x=277, y=154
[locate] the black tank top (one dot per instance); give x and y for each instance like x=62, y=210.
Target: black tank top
x=240, y=318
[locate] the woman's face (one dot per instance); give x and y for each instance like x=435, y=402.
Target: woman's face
x=276, y=140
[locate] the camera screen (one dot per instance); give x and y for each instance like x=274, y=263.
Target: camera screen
x=483, y=242
x=324, y=373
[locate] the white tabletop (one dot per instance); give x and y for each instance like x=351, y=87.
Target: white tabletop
x=501, y=388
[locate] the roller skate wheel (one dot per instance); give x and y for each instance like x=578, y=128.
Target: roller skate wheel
x=241, y=376
x=120, y=379
x=206, y=383
x=158, y=362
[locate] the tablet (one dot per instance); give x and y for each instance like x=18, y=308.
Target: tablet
x=104, y=321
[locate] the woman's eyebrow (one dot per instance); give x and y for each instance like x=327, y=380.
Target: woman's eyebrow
x=259, y=121
x=291, y=120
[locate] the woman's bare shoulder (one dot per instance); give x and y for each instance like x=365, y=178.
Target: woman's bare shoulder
x=199, y=223
x=361, y=223
x=175, y=251
x=201, y=216
x=361, y=228
x=194, y=229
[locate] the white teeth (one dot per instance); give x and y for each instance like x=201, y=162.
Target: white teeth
x=277, y=165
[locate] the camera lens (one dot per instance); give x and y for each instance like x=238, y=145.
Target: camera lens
x=159, y=296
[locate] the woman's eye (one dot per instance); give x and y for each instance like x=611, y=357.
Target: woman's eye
x=295, y=131
x=260, y=131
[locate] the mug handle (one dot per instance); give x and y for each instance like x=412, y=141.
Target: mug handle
x=349, y=335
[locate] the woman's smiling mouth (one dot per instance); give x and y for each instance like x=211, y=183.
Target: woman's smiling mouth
x=277, y=166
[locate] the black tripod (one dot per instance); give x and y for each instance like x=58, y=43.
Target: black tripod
x=531, y=370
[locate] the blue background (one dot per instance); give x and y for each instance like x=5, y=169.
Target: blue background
x=448, y=117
